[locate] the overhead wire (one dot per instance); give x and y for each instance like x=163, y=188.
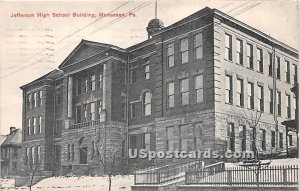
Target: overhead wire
x=29, y=65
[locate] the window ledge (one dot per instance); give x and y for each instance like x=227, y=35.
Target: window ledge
x=228, y=60
x=169, y=67
x=170, y=108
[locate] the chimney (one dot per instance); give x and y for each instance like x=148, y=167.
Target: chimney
x=12, y=129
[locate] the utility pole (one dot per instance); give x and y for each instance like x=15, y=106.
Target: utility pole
x=275, y=94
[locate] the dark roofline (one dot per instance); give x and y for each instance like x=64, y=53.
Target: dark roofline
x=215, y=12
x=254, y=30
x=8, y=140
x=39, y=79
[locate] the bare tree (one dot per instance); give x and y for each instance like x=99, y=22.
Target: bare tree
x=34, y=162
x=107, y=154
x=253, y=120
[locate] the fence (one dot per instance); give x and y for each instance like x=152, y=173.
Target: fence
x=271, y=175
x=166, y=173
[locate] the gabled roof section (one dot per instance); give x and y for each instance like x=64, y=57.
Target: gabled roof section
x=86, y=49
x=15, y=138
x=2, y=138
x=50, y=75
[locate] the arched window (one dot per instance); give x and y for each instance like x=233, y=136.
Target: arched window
x=147, y=104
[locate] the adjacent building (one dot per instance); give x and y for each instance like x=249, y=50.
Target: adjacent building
x=190, y=86
x=11, y=153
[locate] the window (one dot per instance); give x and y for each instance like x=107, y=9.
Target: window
x=69, y=151
x=133, y=75
x=198, y=46
x=124, y=107
x=85, y=85
x=72, y=151
x=40, y=101
x=133, y=141
x=230, y=137
x=280, y=140
x=295, y=106
x=278, y=68
x=172, y=139
x=242, y=136
x=228, y=91
x=250, y=95
x=146, y=141
x=27, y=155
x=78, y=86
x=288, y=106
x=40, y=124
x=124, y=77
x=250, y=56
x=57, y=154
x=58, y=95
x=4, y=152
x=199, y=88
x=239, y=51
x=29, y=101
x=287, y=71
x=290, y=137
x=34, y=100
x=33, y=155
x=78, y=114
x=58, y=127
x=198, y=136
x=259, y=57
x=170, y=55
x=85, y=113
x=228, y=47
x=295, y=75
x=99, y=108
x=263, y=139
x=184, y=135
x=34, y=126
x=100, y=80
x=38, y=158
x=147, y=104
x=29, y=126
x=271, y=101
x=93, y=148
x=133, y=110
x=14, y=167
x=278, y=103
x=260, y=98
x=273, y=139
x=147, y=71
x=240, y=92
x=184, y=91
x=93, y=82
x=184, y=50
x=15, y=152
x=92, y=109
x=270, y=64
x=170, y=95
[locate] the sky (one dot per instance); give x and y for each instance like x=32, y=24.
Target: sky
x=33, y=46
